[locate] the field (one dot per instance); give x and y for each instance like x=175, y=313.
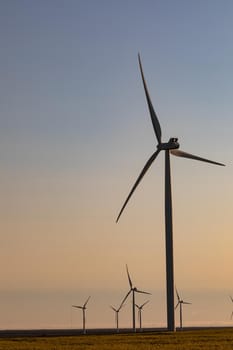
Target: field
x=208, y=339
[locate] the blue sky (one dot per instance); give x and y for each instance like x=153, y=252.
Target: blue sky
x=75, y=133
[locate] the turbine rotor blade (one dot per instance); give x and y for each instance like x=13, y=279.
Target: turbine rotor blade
x=145, y=303
x=86, y=301
x=143, y=172
x=125, y=298
x=79, y=307
x=130, y=282
x=179, y=153
x=177, y=294
x=142, y=292
x=120, y=307
x=113, y=308
x=185, y=302
x=154, y=118
x=231, y=298
x=137, y=306
x=177, y=305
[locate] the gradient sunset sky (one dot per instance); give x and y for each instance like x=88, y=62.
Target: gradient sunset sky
x=75, y=133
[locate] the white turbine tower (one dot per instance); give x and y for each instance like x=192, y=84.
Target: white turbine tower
x=170, y=147
x=180, y=303
x=83, y=308
x=132, y=290
x=140, y=307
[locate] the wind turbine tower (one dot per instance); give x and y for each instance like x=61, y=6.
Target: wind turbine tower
x=132, y=290
x=140, y=307
x=232, y=302
x=83, y=308
x=117, y=315
x=180, y=303
x=170, y=148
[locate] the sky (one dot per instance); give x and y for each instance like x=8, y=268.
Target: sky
x=75, y=132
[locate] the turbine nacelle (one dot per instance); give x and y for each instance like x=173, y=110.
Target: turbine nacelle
x=171, y=144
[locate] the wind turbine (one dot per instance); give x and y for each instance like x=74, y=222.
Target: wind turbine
x=140, y=313
x=181, y=302
x=84, y=313
x=232, y=302
x=132, y=290
x=170, y=147
x=117, y=315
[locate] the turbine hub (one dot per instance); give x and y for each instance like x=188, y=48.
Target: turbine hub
x=171, y=144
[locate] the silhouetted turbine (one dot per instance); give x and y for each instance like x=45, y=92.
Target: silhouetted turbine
x=132, y=290
x=140, y=307
x=117, y=315
x=232, y=302
x=181, y=302
x=170, y=147
x=84, y=313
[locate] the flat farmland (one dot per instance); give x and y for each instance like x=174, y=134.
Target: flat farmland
x=208, y=339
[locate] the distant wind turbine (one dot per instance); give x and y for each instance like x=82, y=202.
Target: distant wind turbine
x=170, y=147
x=132, y=290
x=232, y=302
x=83, y=308
x=180, y=303
x=140, y=307
x=117, y=315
